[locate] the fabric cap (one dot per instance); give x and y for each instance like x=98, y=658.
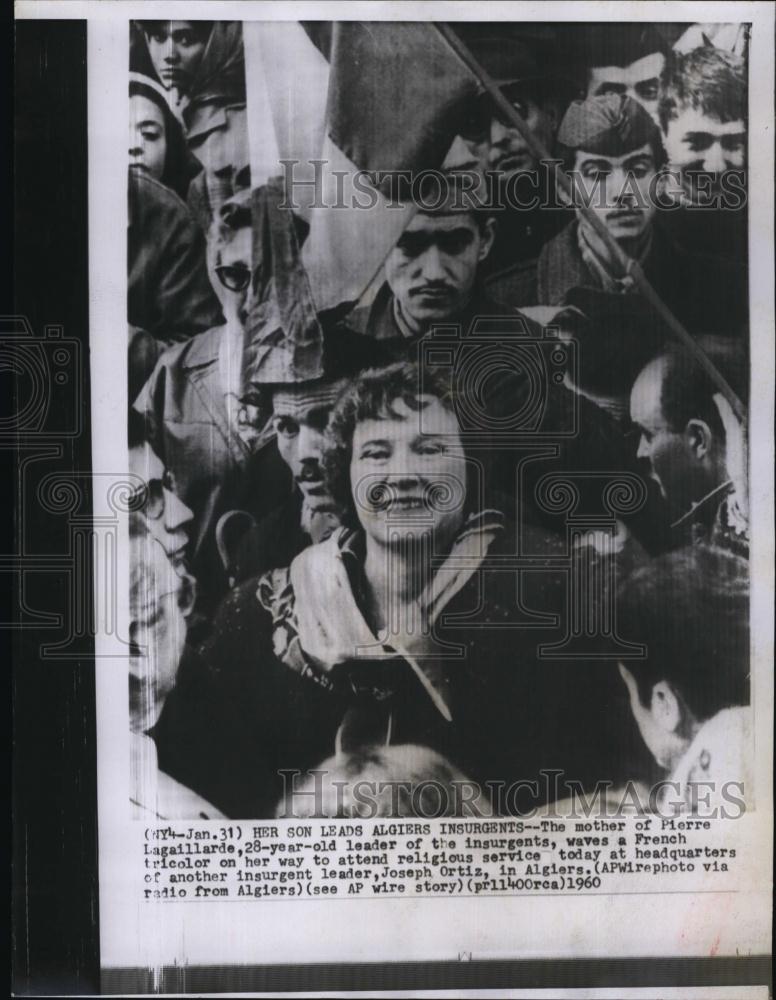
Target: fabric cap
x=296, y=400
x=610, y=124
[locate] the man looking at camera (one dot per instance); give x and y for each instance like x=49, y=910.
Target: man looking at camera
x=613, y=151
x=432, y=278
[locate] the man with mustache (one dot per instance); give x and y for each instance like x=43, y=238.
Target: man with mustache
x=432, y=277
x=433, y=280
x=300, y=415
x=613, y=151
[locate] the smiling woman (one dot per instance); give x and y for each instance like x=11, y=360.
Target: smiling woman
x=358, y=644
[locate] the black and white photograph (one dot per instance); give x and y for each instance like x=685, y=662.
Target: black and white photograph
x=438, y=375
x=426, y=548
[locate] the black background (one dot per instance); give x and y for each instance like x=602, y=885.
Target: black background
x=54, y=828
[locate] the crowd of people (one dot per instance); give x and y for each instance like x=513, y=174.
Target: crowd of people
x=370, y=574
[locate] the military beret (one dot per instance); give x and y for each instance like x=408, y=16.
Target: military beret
x=610, y=124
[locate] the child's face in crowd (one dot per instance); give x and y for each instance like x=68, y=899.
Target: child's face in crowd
x=147, y=136
x=176, y=49
x=620, y=189
x=408, y=474
x=432, y=269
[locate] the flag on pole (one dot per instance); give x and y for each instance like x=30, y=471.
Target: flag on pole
x=336, y=110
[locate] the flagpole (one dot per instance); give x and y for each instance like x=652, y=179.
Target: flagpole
x=629, y=266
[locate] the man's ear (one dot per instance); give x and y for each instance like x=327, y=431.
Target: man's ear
x=699, y=438
x=665, y=708
x=488, y=238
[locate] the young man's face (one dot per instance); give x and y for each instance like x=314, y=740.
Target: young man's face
x=432, y=269
x=176, y=49
x=509, y=153
x=169, y=520
x=408, y=474
x=233, y=270
x=147, y=136
x=639, y=80
x=696, y=143
x=620, y=190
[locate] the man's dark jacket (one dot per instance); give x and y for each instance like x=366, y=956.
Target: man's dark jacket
x=706, y=293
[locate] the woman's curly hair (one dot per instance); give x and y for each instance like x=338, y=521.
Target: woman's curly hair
x=372, y=396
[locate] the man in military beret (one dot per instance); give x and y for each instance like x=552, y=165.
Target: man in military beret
x=613, y=151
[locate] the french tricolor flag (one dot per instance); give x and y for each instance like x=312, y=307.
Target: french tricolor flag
x=337, y=101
